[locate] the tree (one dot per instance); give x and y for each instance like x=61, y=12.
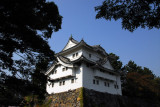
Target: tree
x=25, y=27
x=133, y=13
x=117, y=65
x=39, y=80
x=140, y=82
x=115, y=62
x=12, y=90
x=24, y=30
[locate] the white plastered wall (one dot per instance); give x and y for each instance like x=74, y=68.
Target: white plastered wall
x=68, y=85
x=94, y=56
x=88, y=76
x=70, y=56
x=69, y=45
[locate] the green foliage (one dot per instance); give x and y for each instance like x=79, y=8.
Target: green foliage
x=25, y=28
x=136, y=81
x=140, y=82
x=133, y=13
x=39, y=80
x=12, y=90
x=115, y=62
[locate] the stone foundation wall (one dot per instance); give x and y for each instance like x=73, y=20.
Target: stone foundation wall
x=72, y=98
x=83, y=97
x=97, y=99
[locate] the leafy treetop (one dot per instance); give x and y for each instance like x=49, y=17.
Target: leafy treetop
x=133, y=13
x=25, y=27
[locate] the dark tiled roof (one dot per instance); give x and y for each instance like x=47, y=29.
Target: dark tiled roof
x=98, y=63
x=83, y=58
x=102, y=61
x=73, y=40
x=103, y=68
x=68, y=61
x=64, y=59
x=96, y=48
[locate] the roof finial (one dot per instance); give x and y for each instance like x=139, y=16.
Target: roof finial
x=70, y=37
x=82, y=39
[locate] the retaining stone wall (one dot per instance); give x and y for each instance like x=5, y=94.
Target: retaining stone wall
x=97, y=99
x=83, y=97
x=66, y=99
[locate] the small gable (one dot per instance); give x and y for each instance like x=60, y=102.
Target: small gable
x=71, y=43
x=108, y=65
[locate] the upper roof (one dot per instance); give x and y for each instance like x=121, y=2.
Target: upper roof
x=73, y=44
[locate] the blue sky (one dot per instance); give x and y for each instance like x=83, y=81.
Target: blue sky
x=141, y=46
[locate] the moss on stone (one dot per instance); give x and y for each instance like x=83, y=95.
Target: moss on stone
x=81, y=96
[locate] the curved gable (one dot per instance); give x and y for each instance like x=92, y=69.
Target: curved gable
x=71, y=43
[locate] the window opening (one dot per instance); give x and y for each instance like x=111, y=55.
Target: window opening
x=72, y=80
x=105, y=84
x=76, y=54
x=52, y=84
x=108, y=84
x=73, y=55
x=94, y=81
x=63, y=82
x=63, y=69
x=97, y=82
x=60, y=83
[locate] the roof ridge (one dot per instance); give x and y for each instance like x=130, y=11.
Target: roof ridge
x=73, y=40
x=64, y=59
